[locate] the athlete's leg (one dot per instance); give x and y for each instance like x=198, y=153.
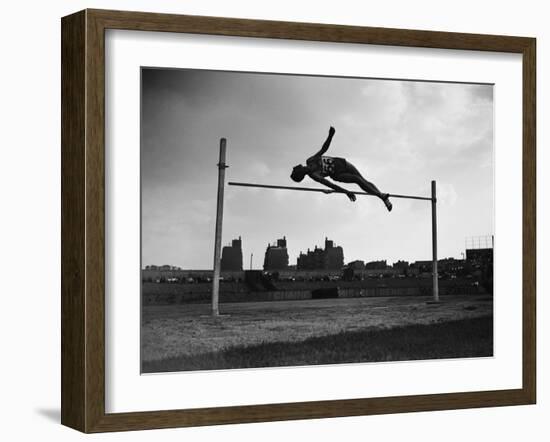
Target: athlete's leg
x=367, y=186
x=352, y=175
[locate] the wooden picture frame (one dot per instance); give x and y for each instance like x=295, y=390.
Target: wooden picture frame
x=83, y=220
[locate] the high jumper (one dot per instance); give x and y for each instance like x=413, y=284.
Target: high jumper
x=319, y=167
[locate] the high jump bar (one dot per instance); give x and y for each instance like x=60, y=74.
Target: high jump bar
x=219, y=222
x=313, y=189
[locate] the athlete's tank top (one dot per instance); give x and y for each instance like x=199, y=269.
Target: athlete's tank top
x=327, y=165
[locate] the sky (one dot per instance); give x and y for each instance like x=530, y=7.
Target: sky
x=399, y=134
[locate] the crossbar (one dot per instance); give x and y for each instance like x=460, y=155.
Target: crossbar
x=314, y=189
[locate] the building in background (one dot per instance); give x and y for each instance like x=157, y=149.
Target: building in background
x=480, y=263
x=163, y=268
x=482, y=257
x=421, y=268
x=276, y=255
x=451, y=266
x=376, y=265
x=232, y=256
x=401, y=267
x=356, y=265
x=479, y=255
x=329, y=258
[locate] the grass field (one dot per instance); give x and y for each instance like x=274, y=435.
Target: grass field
x=185, y=337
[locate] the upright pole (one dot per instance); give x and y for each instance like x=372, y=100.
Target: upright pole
x=434, y=243
x=218, y=238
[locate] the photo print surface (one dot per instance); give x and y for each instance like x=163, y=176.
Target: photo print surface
x=328, y=264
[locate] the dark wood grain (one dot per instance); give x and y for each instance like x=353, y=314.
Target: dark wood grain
x=145, y=21
x=529, y=220
x=308, y=410
x=83, y=220
x=95, y=221
x=73, y=255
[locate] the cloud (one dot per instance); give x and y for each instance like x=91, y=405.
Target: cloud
x=446, y=194
x=399, y=134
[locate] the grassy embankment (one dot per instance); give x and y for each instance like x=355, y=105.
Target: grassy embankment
x=453, y=339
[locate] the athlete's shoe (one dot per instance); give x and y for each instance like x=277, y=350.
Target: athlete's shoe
x=388, y=204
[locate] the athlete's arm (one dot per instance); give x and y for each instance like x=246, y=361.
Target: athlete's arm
x=326, y=144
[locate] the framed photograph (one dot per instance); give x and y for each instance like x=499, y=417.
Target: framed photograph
x=267, y=220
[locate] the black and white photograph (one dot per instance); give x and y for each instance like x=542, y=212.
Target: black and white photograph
x=300, y=220
x=256, y=221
